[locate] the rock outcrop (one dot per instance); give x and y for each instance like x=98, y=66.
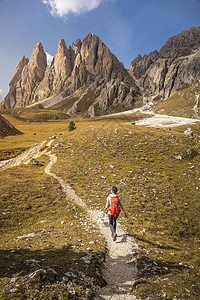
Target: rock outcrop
x=86, y=65
x=86, y=79
x=177, y=65
x=26, y=77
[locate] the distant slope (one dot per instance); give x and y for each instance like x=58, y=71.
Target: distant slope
x=185, y=103
x=6, y=128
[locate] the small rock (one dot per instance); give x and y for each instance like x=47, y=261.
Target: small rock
x=188, y=132
x=31, y=262
x=87, y=258
x=13, y=290
x=65, y=279
x=179, y=157
x=29, y=235
x=56, y=145
x=13, y=280
x=70, y=274
x=34, y=161
x=37, y=273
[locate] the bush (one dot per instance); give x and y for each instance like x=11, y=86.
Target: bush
x=71, y=126
x=189, y=154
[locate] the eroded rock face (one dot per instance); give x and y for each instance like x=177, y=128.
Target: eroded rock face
x=141, y=64
x=98, y=81
x=88, y=64
x=183, y=44
x=10, y=99
x=26, y=77
x=175, y=66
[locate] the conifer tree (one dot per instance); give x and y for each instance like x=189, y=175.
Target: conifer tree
x=71, y=126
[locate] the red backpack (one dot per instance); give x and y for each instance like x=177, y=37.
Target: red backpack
x=114, y=206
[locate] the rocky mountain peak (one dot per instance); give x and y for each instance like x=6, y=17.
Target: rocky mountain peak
x=88, y=69
x=177, y=64
x=140, y=64
x=38, y=58
x=62, y=48
x=182, y=44
x=18, y=70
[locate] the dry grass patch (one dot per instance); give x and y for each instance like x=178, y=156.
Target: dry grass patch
x=32, y=133
x=160, y=192
x=182, y=104
x=49, y=247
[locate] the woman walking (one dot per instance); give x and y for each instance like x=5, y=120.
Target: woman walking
x=114, y=206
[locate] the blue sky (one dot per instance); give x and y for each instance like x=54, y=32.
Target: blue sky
x=127, y=27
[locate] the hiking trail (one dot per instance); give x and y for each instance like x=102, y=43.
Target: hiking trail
x=120, y=264
x=119, y=271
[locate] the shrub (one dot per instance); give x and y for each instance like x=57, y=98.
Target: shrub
x=71, y=126
x=189, y=154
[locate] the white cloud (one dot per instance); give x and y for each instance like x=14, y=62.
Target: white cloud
x=61, y=8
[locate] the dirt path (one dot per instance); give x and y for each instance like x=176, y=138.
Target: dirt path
x=24, y=157
x=120, y=265
x=119, y=271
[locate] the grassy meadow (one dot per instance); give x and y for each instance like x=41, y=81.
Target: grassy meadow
x=160, y=193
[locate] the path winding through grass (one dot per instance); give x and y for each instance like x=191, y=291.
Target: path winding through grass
x=120, y=265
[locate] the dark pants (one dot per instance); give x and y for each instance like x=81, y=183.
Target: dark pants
x=113, y=223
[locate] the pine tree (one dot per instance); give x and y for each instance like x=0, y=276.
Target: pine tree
x=71, y=126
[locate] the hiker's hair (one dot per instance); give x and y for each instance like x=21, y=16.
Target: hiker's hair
x=114, y=189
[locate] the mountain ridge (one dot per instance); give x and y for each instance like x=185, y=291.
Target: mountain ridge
x=89, y=80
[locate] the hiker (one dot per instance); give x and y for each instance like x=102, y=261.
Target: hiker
x=113, y=205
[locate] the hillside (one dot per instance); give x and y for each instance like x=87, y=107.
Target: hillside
x=157, y=172
x=185, y=103
x=6, y=128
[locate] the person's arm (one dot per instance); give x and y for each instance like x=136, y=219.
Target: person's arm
x=122, y=207
x=108, y=202
x=125, y=213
